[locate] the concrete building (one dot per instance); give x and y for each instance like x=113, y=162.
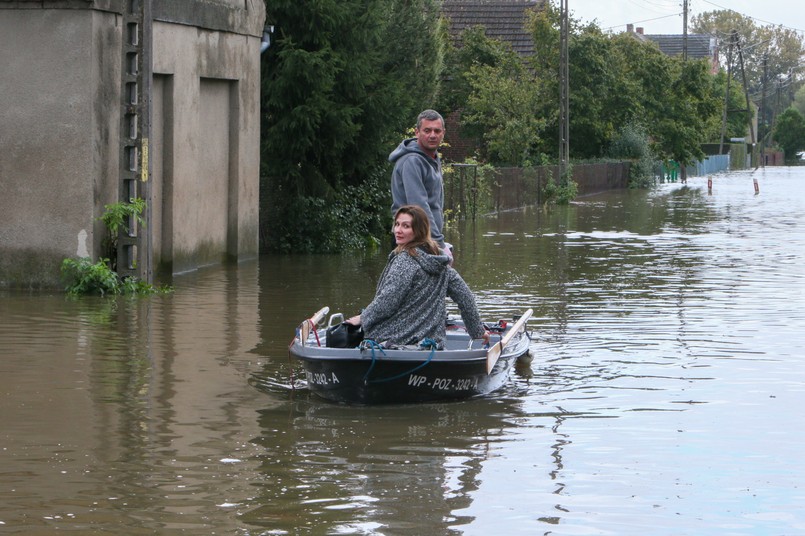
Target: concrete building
x=98, y=105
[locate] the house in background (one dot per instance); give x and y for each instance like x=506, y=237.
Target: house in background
x=698, y=45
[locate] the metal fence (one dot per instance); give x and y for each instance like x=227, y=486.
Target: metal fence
x=711, y=164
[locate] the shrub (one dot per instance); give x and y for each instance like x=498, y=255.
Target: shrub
x=82, y=276
x=560, y=194
x=632, y=143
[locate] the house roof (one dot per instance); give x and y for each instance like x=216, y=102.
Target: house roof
x=699, y=46
x=503, y=20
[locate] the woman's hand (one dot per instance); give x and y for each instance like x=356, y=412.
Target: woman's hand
x=355, y=320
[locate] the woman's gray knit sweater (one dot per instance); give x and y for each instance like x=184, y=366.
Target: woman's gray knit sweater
x=409, y=305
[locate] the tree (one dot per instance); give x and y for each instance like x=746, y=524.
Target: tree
x=789, y=133
x=737, y=118
x=691, y=102
x=340, y=80
x=501, y=105
x=770, y=53
x=799, y=100
x=497, y=96
x=618, y=80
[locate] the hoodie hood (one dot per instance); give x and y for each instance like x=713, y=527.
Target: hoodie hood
x=409, y=146
x=431, y=264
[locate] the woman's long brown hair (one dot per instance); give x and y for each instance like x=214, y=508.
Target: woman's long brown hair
x=421, y=227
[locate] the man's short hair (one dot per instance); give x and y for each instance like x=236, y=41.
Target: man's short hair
x=430, y=115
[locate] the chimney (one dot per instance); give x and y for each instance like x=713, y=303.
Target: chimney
x=640, y=31
x=630, y=28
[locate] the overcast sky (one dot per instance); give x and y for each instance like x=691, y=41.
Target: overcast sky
x=665, y=16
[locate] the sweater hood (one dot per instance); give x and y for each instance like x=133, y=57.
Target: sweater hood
x=409, y=146
x=431, y=264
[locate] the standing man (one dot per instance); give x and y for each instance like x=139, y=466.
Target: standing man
x=417, y=176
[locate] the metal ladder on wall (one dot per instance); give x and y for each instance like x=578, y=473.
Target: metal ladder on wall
x=134, y=241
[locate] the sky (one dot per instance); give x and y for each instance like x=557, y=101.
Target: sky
x=665, y=16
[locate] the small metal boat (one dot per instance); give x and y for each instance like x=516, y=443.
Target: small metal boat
x=372, y=374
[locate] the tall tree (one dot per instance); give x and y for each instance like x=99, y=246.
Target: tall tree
x=619, y=80
x=772, y=55
x=337, y=92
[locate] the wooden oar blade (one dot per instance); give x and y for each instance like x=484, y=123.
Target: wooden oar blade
x=494, y=352
x=492, y=356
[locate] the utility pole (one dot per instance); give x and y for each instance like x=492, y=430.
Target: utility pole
x=726, y=94
x=752, y=138
x=761, y=127
x=564, y=93
x=685, y=30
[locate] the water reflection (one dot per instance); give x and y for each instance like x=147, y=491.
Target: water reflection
x=357, y=470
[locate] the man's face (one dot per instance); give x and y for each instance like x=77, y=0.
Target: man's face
x=429, y=135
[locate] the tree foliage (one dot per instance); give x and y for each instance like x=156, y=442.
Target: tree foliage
x=789, y=133
x=799, y=101
x=772, y=56
x=498, y=97
x=616, y=80
x=341, y=80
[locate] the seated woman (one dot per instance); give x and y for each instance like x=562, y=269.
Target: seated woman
x=409, y=305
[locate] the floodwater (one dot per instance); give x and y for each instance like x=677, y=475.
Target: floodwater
x=665, y=396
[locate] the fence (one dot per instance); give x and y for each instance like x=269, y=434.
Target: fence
x=711, y=164
x=468, y=192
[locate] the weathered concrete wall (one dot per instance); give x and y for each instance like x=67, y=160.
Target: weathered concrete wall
x=58, y=130
x=206, y=114
x=60, y=124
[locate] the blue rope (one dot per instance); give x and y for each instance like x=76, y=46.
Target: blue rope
x=426, y=343
x=369, y=343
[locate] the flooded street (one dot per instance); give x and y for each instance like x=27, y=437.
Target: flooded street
x=665, y=396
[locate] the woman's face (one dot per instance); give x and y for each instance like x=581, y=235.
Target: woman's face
x=403, y=232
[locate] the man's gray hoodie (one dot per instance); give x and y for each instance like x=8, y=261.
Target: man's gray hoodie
x=409, y=305
x=417, y=180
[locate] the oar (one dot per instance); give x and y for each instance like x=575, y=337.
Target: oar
x=304, y=329
x=494, y=352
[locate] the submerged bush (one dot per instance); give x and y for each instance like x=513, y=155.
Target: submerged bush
x=82, y=276
x=560, y=194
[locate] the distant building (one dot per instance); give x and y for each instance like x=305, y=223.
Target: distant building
x=698, y=45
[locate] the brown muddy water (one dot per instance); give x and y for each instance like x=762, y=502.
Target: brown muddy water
x=665, y=396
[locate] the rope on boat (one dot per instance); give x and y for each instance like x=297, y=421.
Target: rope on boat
x=313, y=329
x=425, y=344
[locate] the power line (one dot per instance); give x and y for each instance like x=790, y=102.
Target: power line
x=753, y=18
x=642, y=21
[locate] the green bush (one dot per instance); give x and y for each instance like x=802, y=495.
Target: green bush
x=632, y=143
x=560, y=194
x=82, y=276
x=352, y=218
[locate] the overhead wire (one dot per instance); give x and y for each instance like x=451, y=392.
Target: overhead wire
x=753, y=18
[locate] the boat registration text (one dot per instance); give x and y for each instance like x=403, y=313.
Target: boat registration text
x=443, y=384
